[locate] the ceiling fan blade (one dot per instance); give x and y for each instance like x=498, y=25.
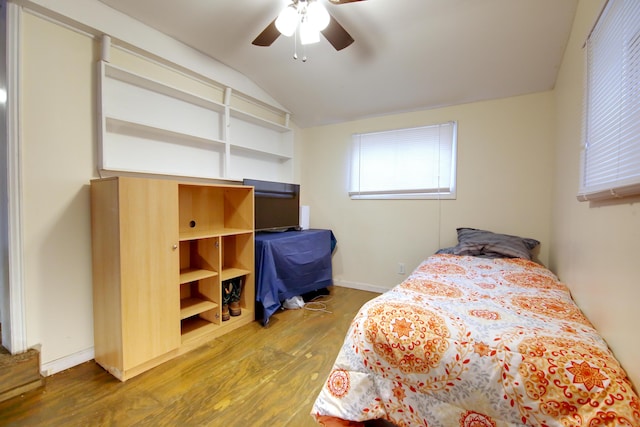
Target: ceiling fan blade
x=343, y=1
x=337, y=35
x=267, y=36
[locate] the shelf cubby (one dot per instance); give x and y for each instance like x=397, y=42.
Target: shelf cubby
x=193, y=306
x=216, y=244
x=192, y=274
x=194, y=328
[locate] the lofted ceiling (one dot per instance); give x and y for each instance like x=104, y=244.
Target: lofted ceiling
x=408, y=54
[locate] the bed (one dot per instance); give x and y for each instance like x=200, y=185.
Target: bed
x=476, y=337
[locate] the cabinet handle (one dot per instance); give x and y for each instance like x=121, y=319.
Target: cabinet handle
x=174, y=247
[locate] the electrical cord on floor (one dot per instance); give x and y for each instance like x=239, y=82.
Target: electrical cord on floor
x=314, y=305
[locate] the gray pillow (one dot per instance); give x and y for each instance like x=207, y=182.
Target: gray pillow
x=487, y=244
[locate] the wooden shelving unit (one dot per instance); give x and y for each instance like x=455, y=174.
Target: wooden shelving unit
x=159, y=260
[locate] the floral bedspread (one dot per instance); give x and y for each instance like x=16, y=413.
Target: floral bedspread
x=476, y=342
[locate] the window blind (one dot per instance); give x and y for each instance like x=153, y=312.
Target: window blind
x=611, y=149
x=404, y=163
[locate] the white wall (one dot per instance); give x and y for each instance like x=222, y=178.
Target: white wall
x=594, y=248
x=504, y=154
x=58, y=159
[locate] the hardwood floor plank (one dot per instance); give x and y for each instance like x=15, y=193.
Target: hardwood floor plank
x=253, y=376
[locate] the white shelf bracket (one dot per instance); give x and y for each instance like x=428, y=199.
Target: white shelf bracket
x=227, y=96
x=105, y=48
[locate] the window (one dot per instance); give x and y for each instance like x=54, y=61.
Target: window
x=611, y=150
x=414, y=163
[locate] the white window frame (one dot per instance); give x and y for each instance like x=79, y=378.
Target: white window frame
x=610, y=157
x=409, y=163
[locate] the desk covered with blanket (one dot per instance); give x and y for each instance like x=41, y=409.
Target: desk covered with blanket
x=291, y=263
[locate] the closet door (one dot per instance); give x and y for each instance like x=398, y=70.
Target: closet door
x=149, y=262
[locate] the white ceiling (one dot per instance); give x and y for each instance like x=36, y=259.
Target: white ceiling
x=408, y=54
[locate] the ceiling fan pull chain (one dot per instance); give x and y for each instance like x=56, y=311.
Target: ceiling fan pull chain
x=295, y=45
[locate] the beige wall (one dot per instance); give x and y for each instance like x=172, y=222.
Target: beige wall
x=58, y=160
x=594, y=248
x=504, y=155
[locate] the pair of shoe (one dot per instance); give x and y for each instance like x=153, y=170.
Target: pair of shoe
x=231, y=290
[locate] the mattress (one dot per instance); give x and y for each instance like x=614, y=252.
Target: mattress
x=468, y=341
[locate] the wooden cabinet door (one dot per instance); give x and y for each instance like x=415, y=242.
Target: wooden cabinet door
x=149, y=261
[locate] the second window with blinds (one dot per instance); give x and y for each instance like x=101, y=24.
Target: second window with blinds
x=411, y=163
x=611, y=150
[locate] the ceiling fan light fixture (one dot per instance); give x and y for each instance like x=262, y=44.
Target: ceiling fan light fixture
x=308, y=33
x=317, y=15
x=306, y=19
x=287, y=21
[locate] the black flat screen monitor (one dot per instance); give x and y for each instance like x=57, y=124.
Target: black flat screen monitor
x=277, y=205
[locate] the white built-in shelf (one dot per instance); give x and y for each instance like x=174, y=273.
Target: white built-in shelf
x=266, y=153
x=123, y=126
x=115, y=72
x=251, y=118
x=180, y=133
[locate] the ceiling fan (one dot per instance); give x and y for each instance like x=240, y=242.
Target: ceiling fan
x=298, y=13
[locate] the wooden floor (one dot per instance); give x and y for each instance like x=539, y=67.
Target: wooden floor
x=253, y=376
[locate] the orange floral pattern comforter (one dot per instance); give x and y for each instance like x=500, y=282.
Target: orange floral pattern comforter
x=476, y=342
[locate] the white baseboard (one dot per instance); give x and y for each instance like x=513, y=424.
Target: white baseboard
x=360, y=286
x=66, y=362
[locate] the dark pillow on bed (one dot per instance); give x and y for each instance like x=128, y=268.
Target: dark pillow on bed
x=451, y=250
x=476, y=242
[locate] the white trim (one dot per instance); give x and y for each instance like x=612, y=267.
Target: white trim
x=66, y=362
x=226, y=133
x=18, y=339
x=361, y=286
x=105, y=48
